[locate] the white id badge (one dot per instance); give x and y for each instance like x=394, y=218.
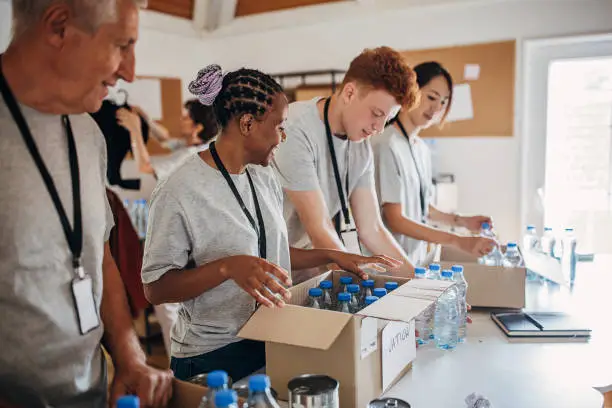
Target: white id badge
x=82, y=291
x=351, y=241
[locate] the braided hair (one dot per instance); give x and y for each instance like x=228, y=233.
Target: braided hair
x=245, y=91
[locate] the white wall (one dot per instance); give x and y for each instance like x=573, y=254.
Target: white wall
x=487, y=169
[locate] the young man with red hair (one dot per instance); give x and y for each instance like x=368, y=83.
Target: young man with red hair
x=326, y=164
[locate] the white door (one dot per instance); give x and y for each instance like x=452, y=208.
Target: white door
x=567, y=138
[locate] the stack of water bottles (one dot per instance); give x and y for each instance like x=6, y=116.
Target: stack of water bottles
x=348, y=297
x=444, y=322
x=509, y=259
x=139, y=214
x=547, y=245
x=220, y=396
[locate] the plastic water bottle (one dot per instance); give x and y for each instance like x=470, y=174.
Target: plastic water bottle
x=512, y=257
x=128, y=401
x=367, y=286
x=380, y=292
x=314, y=298
x=216, y=381
x=434, y=272
x=126, y=204
x=568, y=256
x=344, y=282
x=226, y=399
x=531, y=242
x=369, y=300
x=548, y=242
x=353, y=290
x=391, y=286
x=327, y=299
x=143, y=218
x=423, y=322
x=446, y=317
x=343, y=302
x=134, y=216
x=259, y=393
x=493, y=258
x=462, y=287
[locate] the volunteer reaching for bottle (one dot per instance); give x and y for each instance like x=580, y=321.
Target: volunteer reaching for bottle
x=404, y=174
x=217, y=240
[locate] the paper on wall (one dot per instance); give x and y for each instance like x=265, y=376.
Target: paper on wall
x=471, y=72
x=398, y=350
x=145, y=93
x=462, y=107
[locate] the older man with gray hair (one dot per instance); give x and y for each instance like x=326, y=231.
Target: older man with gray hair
x=61, y=295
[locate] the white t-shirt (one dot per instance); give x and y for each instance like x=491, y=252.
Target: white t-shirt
x=398, y=181
x=303, y=163
x=165, y=165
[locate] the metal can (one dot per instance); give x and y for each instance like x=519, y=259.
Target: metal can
x=388, y=403
x=313, y=391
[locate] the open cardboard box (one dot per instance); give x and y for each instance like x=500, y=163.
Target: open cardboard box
x=366, y=352
x=488, y=286
x=186, y=395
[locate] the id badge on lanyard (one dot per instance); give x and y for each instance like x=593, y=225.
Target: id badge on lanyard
x=82, y=284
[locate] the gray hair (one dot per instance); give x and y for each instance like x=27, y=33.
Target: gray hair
x=91, y=13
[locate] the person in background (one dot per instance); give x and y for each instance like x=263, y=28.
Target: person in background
x=221, y=254
x=198, y=129
x=404, y=174
x=61, y=294
x=327, y=168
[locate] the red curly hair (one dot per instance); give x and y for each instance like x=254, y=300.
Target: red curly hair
x=385, y=69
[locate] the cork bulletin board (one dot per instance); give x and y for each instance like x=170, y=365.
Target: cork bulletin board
x=484, y=84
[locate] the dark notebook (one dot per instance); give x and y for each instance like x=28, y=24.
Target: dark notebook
x=544, y=324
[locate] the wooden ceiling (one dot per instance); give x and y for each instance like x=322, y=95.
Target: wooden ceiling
x=250, y=7
x=178, y=8
x=184, y=8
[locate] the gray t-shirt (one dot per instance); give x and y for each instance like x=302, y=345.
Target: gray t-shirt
x=397, y=181
x=41, y=345
x=195, y=216
x=165, y=165
x=303, y=163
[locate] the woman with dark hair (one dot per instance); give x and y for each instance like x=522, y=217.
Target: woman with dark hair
x=217, y=241
x=404, y=173
x=198, y=128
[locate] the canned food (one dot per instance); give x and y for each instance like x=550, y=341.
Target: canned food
x=313, y=391
x=388, y=403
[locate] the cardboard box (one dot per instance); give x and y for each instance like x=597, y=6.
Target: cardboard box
x=366, y=352
x=488, y=286
x=186, y=395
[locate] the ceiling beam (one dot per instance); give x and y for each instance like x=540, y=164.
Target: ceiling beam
x=208, y=15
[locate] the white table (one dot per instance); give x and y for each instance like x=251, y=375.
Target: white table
x=524, y=373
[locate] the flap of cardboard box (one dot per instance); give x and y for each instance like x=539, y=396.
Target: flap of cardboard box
x=296, y=326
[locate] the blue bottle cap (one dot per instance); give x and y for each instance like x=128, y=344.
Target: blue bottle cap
x=530, y=227
x=326, y=284
x=457, y=268
x=511, y=245
x=352, y=288
x=368, y=283
x=391, y=286
x=485, y=226
x=420, y=271
x=216, y=379
x=344, y=296
x=225, y=398
x=547, y=229
x=370, y=299
x=315, y=292
x=345, y=280
x=569, y=230
x=128, y=401
x=447, y=273
x=380, y=292
x=259, y=382
x=434, y=267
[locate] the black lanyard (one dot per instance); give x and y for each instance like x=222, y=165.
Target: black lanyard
x=332, y=151
x=261, y=231
x=74, y=236
x=416, y=166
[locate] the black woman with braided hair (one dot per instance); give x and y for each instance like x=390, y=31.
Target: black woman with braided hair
x=217, y=241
